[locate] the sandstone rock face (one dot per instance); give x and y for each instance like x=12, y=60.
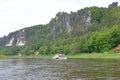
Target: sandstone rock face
x=21, y=39
x=114, y=4
x=10, y=42
x=64, y=22
x=85, y=18
x=16, y=39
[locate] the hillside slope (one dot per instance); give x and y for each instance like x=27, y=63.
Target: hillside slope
x=64, y=33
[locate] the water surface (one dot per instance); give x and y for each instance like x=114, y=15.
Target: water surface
x=71, y=69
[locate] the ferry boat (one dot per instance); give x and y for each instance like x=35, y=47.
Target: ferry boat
x=59, y=56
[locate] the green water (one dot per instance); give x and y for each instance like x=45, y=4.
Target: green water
x=71, y=69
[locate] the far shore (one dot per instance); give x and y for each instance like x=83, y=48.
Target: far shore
x=96, y=55
x=70, y=56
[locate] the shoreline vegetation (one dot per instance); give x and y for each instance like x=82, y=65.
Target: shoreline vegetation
x=97, y=55
x=3, y=57
x=70, y=56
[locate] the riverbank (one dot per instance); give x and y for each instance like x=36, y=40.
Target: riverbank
x=3, y=57
x=83, y=55
x=39, y=56
x=96, y=55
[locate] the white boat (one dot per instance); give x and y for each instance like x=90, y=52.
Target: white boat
x=59, y=56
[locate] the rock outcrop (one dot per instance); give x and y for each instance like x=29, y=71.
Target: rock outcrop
x=16, y=39
x=21, y=38
x=114, y=4
x=64, y=22
x=10, y=43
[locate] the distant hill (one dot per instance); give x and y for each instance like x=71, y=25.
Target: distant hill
x=77, y=32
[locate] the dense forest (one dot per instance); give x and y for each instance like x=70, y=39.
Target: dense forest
x=92, y=29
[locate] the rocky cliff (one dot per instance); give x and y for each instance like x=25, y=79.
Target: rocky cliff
x=17, y=38
x=62, y=23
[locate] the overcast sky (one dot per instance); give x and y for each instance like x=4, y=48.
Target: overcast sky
x=17, y=14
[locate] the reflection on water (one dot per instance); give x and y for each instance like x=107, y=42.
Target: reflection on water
x=48, y=69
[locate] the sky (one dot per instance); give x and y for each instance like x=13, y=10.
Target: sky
x=18, y=14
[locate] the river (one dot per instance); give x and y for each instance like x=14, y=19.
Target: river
x=71, y=69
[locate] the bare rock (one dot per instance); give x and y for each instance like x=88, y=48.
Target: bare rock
x=114, y=4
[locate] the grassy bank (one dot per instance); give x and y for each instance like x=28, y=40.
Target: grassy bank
x=3, y=57
x=39, y=56
x=96, y=55
x=83, y=55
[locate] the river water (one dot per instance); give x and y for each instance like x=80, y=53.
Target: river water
x=71, y=69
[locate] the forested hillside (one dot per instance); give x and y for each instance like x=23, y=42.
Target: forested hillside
x=92, y=29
